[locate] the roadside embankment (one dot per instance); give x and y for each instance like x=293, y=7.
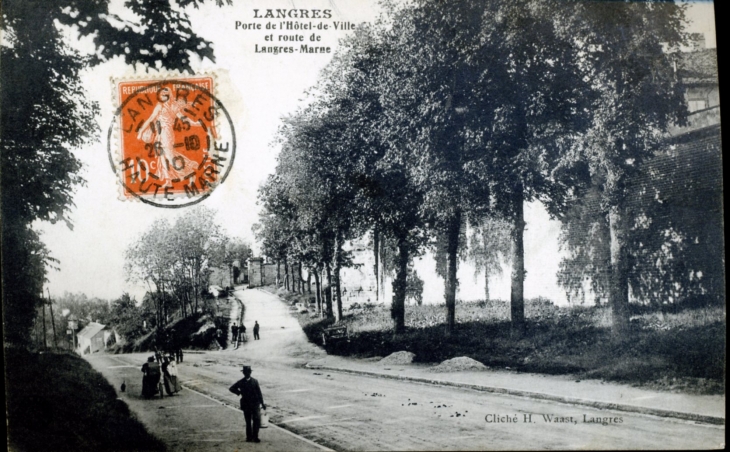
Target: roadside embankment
x=681, y=351
x=56, y=401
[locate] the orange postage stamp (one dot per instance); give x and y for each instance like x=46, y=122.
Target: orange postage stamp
x=175, y=140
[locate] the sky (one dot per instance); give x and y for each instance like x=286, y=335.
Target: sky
x=257, y=90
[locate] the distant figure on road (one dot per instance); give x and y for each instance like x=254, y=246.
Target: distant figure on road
x=256, y=330
x=234, y=333
x=150, y=378
x=251, y=403
x=242, y=333
x=179, y=355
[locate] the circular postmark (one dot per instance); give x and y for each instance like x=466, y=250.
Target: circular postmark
x=175, y=141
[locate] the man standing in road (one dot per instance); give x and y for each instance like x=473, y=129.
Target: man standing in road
x=251, y=403
x=256, y=330
x=234, y=334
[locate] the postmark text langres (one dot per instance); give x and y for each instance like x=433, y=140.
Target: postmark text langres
x=532, y=418
x=174, y=140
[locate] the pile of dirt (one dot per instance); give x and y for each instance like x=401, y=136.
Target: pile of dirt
x=398, y=358
x=458, y=364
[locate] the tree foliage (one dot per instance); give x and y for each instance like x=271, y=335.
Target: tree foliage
x=45, y=115
x=176, y=261
x=441, y=115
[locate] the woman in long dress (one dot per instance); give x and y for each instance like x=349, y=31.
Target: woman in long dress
x=174, y=380
x=166, y=375
x=150, y=378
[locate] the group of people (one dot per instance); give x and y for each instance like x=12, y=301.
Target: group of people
x=238, y=333
x=158, y=375
x=160, y=372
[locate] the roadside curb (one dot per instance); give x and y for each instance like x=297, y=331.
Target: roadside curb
x=705, y=419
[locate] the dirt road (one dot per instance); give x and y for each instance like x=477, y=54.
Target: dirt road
x=350, y=412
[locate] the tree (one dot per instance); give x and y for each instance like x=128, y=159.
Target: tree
x=198, y=245
x=45, y=114
x=630, y=52
x=388, y=196
x=150, y=259
x=489, y=246
x=126, y=317
x=672, y=243
x=487, y=96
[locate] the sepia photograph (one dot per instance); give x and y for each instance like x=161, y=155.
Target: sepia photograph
x=361, y=225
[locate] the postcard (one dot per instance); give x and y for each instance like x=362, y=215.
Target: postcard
x=362, y=225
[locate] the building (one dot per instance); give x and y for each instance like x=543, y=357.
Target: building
x=93, y=338
x=260, y=273
x=698, y=70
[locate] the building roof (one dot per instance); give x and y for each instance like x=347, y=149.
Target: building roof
x=91, y=330
x=699, y=66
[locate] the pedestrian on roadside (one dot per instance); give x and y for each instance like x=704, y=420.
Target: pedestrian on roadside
x=150, y=378
x=251, y=403
x=179, y=355
x=242, y=333
x=166, y=375
x=175, y=386
x=234, y=333
x=256, y=330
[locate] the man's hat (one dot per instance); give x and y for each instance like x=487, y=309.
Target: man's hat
x=246, y=369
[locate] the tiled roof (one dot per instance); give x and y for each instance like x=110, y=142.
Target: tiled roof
x=699, y=66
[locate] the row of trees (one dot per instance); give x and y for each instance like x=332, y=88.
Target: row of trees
x=176, y=261
x=45, y=114
x=441, y=115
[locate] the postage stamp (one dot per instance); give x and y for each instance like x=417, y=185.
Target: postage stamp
x=171, y=142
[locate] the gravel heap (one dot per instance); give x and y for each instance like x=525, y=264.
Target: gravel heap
x=398, y=358
x=459, y=363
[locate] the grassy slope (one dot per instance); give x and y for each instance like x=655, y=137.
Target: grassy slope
x=682, y=351
x=194, y=332
x=57, y=402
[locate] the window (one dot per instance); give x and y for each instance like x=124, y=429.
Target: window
x=695, y=105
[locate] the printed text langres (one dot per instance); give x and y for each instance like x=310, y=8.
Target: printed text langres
x=293, y=14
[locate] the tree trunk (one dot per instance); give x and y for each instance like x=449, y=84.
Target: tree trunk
x=398, y=310
x=486, y=284
x=383, y=257
x=338, y=288
x=517, y=299
x=301, y=278
x=317, y=289
x=195, y=289
x=309, y=281
x=328, y=291
x=53, y=322
x=618, y=271
x=376, y=251
x=294, y=282
x=286, y=274
x=292, y=274
x=452, y=248
x=43, y=305
x=278, y=273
